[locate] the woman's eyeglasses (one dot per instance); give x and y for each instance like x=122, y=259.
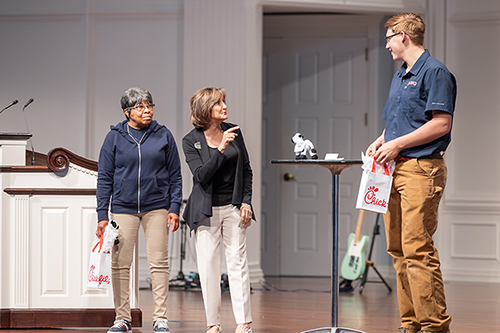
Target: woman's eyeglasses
x=142, y=107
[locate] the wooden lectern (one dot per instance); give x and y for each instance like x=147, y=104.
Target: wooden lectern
x=48, y=222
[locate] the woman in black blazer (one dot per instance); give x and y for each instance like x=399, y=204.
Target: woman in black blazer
x=219, y=205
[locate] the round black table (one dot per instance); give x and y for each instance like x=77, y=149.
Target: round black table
x=335, y=167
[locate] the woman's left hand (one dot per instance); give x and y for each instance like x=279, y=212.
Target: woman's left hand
x=173, y=220
x=246, y=214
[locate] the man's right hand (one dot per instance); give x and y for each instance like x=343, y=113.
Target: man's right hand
x=372, y=149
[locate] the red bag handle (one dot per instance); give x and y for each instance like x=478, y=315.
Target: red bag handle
x=386, y=169
x=100, y=244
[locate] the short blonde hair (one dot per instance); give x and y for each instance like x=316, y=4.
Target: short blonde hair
x=202, y=103
x=409, y=23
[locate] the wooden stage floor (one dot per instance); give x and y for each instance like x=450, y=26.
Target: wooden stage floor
x=300, y=304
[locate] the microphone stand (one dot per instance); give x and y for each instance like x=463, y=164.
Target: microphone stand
x=8, y=106
x=33, y=160
x=32, y=153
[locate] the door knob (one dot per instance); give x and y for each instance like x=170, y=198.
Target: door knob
x=289, y=176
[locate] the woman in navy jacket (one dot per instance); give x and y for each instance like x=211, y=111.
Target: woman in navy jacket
x=219, y=205
x=140, y=174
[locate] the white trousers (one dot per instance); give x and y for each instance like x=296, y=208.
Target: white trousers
x=226, y=222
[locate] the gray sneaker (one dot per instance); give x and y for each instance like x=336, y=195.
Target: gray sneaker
x=160, y=326
x=120, y=325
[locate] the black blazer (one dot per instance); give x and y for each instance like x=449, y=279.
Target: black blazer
x=203, y=166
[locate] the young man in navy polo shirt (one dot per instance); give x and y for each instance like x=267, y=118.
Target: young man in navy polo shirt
x=418, y=115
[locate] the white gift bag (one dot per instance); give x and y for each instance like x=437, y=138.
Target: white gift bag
x=99, y=272
x=375, y=186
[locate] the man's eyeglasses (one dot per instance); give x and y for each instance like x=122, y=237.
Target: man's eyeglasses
x=142, y=107
x=388, y=38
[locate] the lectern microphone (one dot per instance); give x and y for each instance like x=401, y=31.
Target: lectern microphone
x=28, y=103
x=28, y=129
x=8, y=106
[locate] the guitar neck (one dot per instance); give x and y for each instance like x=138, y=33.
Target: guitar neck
x=357, y=236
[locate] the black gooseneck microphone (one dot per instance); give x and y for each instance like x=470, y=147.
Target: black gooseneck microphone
x=8, y=106
x=28, y=103
x=27, y=128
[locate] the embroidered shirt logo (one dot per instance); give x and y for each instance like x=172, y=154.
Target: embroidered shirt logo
x=197, y=145
x=412, y=83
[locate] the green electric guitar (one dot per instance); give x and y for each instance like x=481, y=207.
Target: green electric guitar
x=353, y=265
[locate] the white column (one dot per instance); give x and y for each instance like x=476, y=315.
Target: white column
x=19, y=244
x=222, y=48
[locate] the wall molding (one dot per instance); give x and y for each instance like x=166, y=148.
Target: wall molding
x=83, y=7
x=50, y=191
x=473, y=203
x=393, y=6
x=468, y=275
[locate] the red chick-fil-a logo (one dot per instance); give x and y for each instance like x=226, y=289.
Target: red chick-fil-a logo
x=371, y=197
x=98, y=278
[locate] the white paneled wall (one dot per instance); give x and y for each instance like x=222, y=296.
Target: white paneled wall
x=133, y=50
x=222, y=48
x=76, y=57
x=44, y=58
x=470, y=224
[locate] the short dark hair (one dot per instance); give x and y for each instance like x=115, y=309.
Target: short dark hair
x=202, y=103
x=134, y=96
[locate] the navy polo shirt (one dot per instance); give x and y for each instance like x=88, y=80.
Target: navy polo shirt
x=427, y=86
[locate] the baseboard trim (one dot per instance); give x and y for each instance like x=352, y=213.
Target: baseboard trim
x=256, y=272
x=56, y=318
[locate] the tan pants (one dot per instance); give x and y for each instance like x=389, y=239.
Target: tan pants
x=411, y=221
x=225, y=221
x=156, y=231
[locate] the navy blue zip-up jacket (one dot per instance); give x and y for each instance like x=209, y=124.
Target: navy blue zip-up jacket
x=138, y=178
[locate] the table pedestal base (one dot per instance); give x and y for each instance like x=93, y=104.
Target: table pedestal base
x=333, y=330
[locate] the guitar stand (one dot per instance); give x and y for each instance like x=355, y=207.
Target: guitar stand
x=180, y=280
x=369, y=263
x=191, y=281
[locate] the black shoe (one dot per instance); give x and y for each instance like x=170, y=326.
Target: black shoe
x=345, y=286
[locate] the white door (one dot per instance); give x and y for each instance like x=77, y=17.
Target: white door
x=319, y=86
